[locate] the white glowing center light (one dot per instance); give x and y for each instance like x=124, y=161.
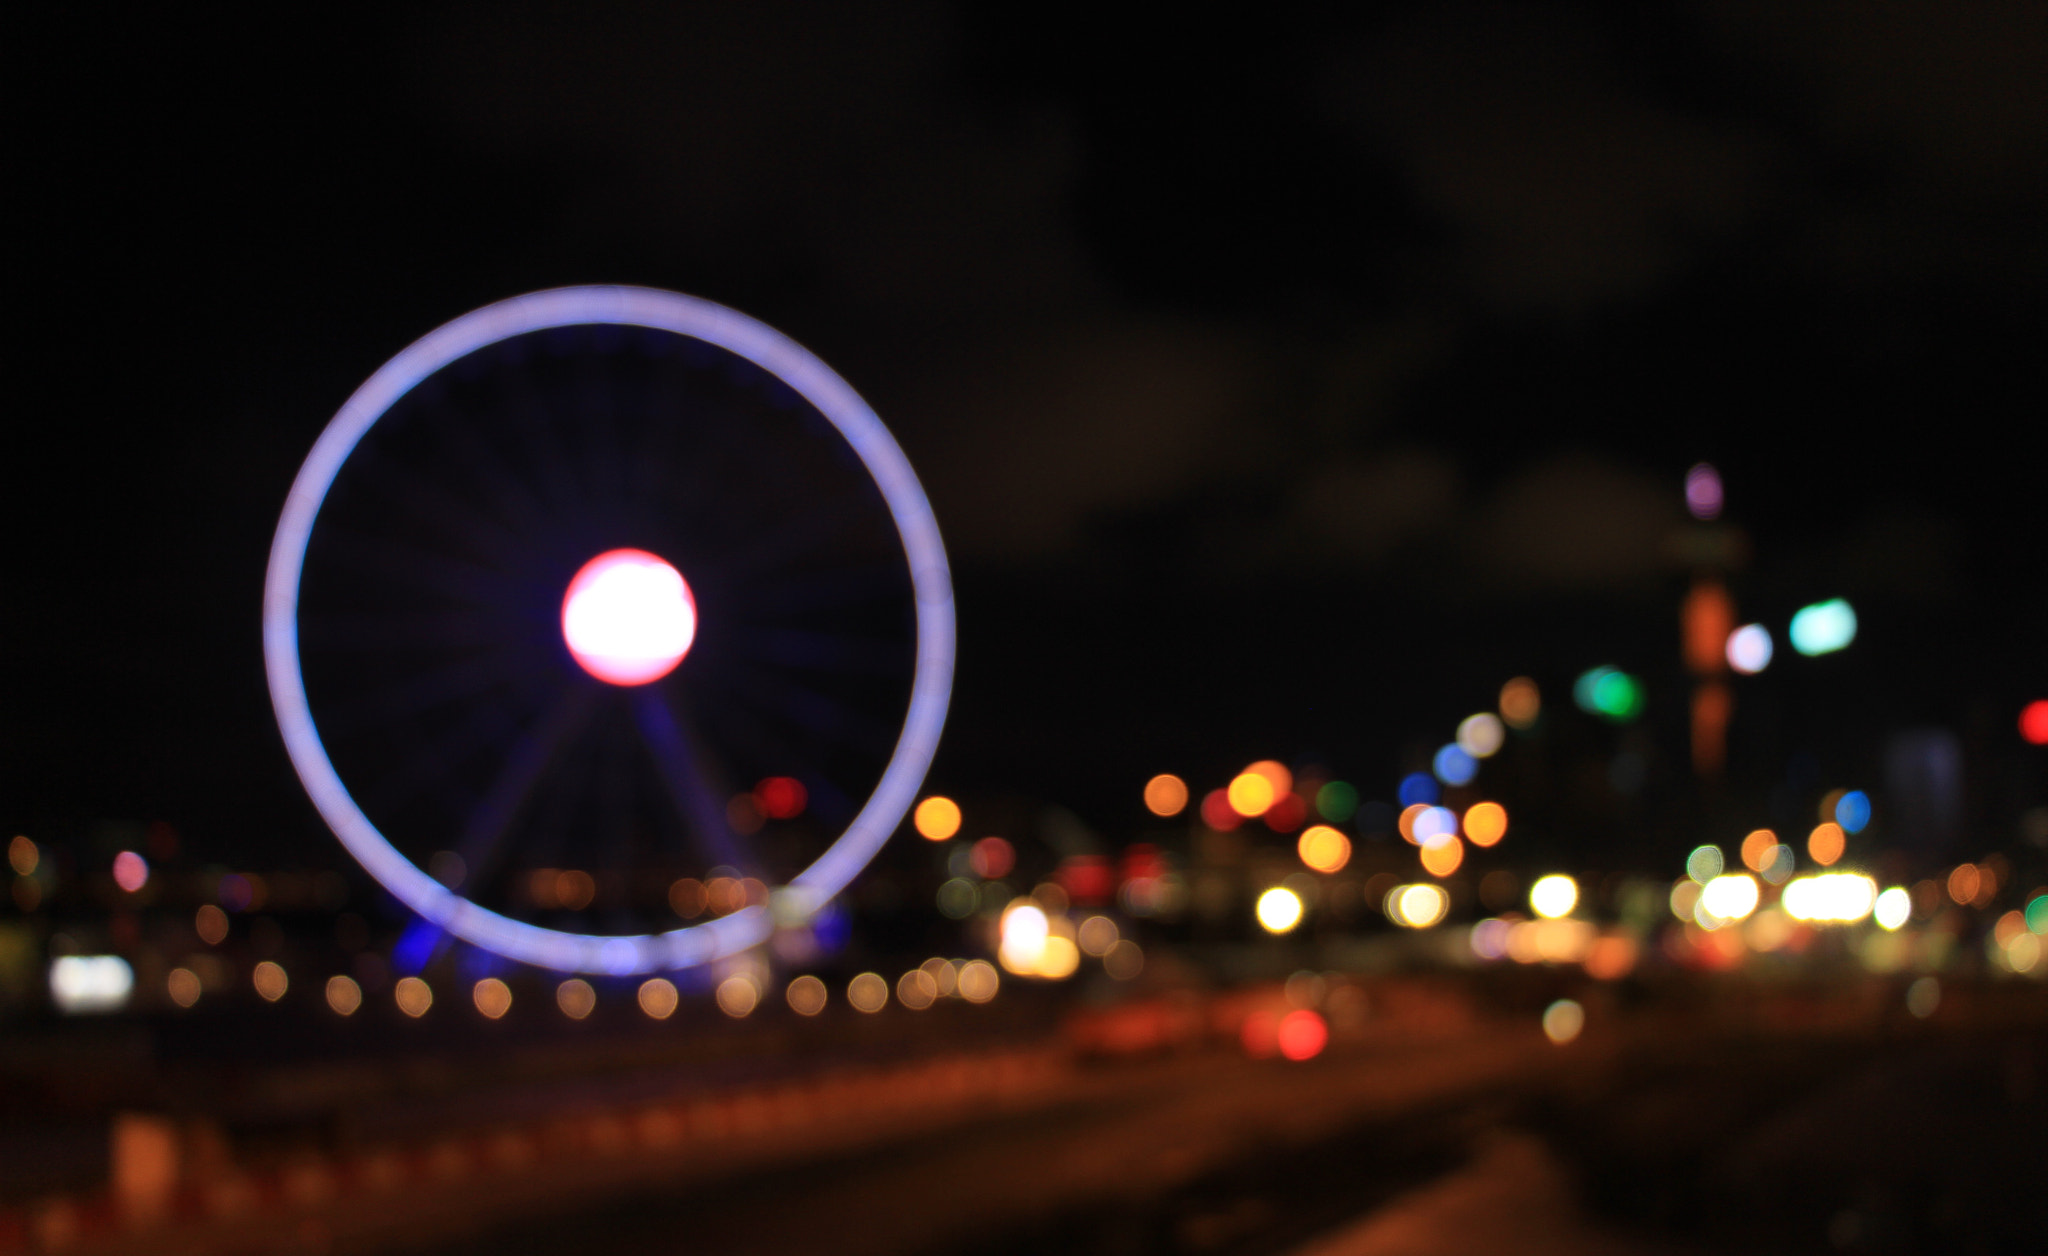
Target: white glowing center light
x=628, y=617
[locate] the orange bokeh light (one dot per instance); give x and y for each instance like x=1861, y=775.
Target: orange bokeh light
x=1826, y=843
x=1324, y=848
x=1166, y=795
x=1485, y=823
x=1409, y=815
x=1757, y=848
x=1442, y=854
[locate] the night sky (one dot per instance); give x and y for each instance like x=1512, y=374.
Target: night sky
x=1283, y=384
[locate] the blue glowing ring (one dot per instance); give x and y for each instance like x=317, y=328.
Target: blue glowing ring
x=931, y=581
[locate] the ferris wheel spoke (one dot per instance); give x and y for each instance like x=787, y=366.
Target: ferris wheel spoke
x=388, y=703
x=678, y=757
x=827, y=651
x=483, y=833
x=432, y=761
x=415, y=497
x=405, y=563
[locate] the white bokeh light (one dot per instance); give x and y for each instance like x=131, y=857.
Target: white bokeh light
x=628, y=617
x=1750, y=649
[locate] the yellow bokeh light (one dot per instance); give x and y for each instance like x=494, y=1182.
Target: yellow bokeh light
x=1278, y=909
x=492, y=997
x=1166, y=794
x=1276, y=775
x=270, y=981
x=1485, y=823
x=1554, y=896
x=916, y=990
x=1826, y=843
x=1831, y=898
x=1757, y=849
x=869, y=992
x=1058, y=960
x=806, y=995
x=1250, y=794
x=937, y=818
x=979, y=981
x=413, y=996
x=1728, y=897
x=1520, y=702
x=1442, y=854
x=344, y=995
x=576, y=999
x=1563, y=1021
x=737, y=996
x=1097, y=934
x=1417, y=906
x=658, y=998
x=1324, y=848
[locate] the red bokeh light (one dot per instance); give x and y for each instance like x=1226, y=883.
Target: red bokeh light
x=1260, y=1035
x=1088, y=879
x=1217, y=812
x=1287, y=813
x=781, y=797
x=992, y=857
x=1302, y=1035
x=2034, y=722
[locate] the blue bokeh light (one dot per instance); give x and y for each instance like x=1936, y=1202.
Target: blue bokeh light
x=1418, y=787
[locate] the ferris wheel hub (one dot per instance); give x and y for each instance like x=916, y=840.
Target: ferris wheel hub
x=628, y=617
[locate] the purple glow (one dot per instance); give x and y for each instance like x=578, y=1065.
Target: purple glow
x=1703, y=492
x=931, y=583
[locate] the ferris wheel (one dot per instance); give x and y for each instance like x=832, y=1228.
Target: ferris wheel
x=568, y=570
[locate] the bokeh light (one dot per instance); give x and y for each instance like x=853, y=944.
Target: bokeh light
x=1417, y=906
x=1124, y=961
x=628, y=617
x=1703, y=492
x=23, y=856
x=1408, y=818
x=1250, y=793
x=1481, y=735
x=1442, y=854
x=1520, y=703
x=991, y=858
x=917, y=990
x=1217, y=812
x=413, y=996
x=1024, y=931
x=2034, y=722
x=868, y=992
x=806, y=995
x=1096, y=935
x=1894, y=907
x=1166, y=795
x=1831, y=898
x=979, y=980
x=781, y=797
x=1826, y=843
x=1418, y=787
x=1729, y=897
x=1434, y=822
x=1563, y=1021
x=131, y=871
x=1301, y=1035
x=1554, y=896
x=211, y=924
x=658, y=998
x=1852, y=811
x=1609, y=693
x=344, y=995
x=1337, y=802
x=1324, y=848
x=936, y=818
x=576, y=998
x=1276, y=775
x=1756, y=849
x=270, y=980
x=1923, y=997
x=492, y=997
x=1823, y=628
x=1750, y=649
x=1453, y=766
x=1278, y=910
x=1485, y=823
x=183, y=985
x=737, y=996
x=1705, y=863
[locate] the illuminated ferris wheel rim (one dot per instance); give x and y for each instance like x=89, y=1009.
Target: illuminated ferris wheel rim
x=745, y=337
